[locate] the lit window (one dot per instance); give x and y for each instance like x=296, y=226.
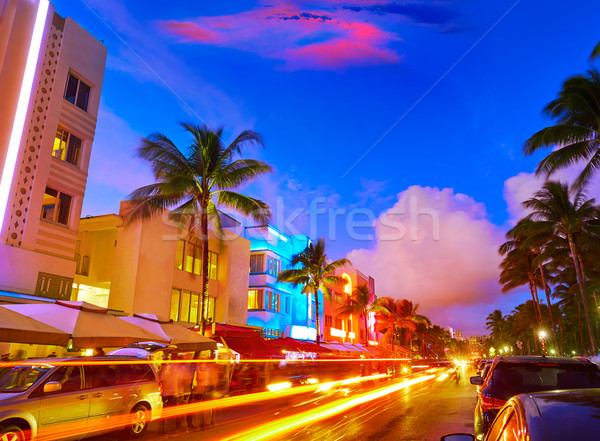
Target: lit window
x=184, y=310
x=175, y=293
x=77, y=92
x=213, y=259
x=56, y=206
x=338, y=297
x=328, y=321
x=67, y=147
x=179, y=254
x=255, y=299
x=348, y=285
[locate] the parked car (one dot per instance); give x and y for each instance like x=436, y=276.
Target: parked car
x=42, y=398
x=545, y=416
x=510, y=376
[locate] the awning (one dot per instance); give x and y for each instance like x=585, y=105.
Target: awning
x=252, y=347
x=293, y=345
x=334, y=347
x=370, y=349
x=223, y=330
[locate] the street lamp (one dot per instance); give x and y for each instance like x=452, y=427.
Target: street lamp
x=543, y=336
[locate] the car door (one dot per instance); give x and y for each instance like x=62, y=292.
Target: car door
x=63, y=413
x=111, y=393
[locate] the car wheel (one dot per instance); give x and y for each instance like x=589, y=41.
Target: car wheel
x=138, y=421
x=11, y=433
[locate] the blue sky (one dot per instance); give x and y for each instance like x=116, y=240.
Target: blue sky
x=438, y=97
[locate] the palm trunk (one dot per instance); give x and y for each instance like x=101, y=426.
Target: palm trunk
x=581, y=267
x=547, y=291
x=580, y=328
x=536, y=305
x=366, y=329
x=581, y=283
x=204, y=230
x=317, y=323
x=393, y=332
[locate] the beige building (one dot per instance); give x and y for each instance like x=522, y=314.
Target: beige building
x=51, y=73
x=151, y=267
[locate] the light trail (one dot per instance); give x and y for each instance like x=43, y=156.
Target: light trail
x=284, y=425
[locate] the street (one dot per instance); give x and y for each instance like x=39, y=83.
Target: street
x=435, y=405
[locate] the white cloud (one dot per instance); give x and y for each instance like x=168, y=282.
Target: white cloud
x=521, y=187
x=436, y=248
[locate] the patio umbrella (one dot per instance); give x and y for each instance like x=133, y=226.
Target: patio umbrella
x=18, y=328
x=184, y=338
x=88, y=325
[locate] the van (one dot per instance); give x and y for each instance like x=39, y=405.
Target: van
x=74, y=398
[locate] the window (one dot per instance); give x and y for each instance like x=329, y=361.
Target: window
x=77, y=92
x=67, y=147
x=185, y=306
x=257, y=263
x=311, y=311
x=273, y=266
x=255, y=299
x=56, y=206
x=273, y=301
x=349, y=325
x=338, y=323
x=338, y=297
x=287, y=305
x=328, y=321
x=68, y=376
x=174, y=304
x=188, y=257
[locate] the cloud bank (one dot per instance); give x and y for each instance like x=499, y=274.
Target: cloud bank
x=436, y=248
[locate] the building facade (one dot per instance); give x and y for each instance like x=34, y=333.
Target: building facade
x=152, y=266
x=280, y=308
x=51, y=73
x=349, y=329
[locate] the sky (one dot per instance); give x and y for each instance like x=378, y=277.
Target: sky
x=395, y=129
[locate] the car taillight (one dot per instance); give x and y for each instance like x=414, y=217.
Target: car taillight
x=160, y=387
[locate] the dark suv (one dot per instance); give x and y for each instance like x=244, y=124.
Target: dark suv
x=510, y=376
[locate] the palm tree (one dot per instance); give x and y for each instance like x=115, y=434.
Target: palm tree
x=555, y=213
x=357, y=305
x=518, y=269
x=196, y=184
x=410, y=311
x=389, y=316
x=496, y=323
x=526, y=238
x=576, y=134
x=595, y=52
x=316, y=273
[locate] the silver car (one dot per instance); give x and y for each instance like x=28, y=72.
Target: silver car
x=71, y=398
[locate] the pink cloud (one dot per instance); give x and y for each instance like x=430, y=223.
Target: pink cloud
x=302, y=39
x=436, y=248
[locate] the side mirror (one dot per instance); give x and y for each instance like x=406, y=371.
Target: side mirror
x=477, y=380
x=52, y=386
x=458, y=437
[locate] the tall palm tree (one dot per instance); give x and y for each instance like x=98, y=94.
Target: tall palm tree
x=196, y=184
x=555, y=213
x=576, y=134
x=518, y=268
x=357, y=305
x=316, y=273
x=389, y=314
x=526, y=238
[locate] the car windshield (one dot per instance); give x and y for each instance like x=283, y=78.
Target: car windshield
x=20, y=378
x=511, y=379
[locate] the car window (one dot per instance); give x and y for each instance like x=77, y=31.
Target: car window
x=68, y=376
x=116, y=374
x=510, y=379
x=21, y=378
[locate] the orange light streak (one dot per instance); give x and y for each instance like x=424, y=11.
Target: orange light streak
x=283, y=425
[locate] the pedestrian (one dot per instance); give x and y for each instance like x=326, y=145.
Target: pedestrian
x=98, y=352
x=172, y=380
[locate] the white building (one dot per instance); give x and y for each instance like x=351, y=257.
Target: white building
x=51, y=73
